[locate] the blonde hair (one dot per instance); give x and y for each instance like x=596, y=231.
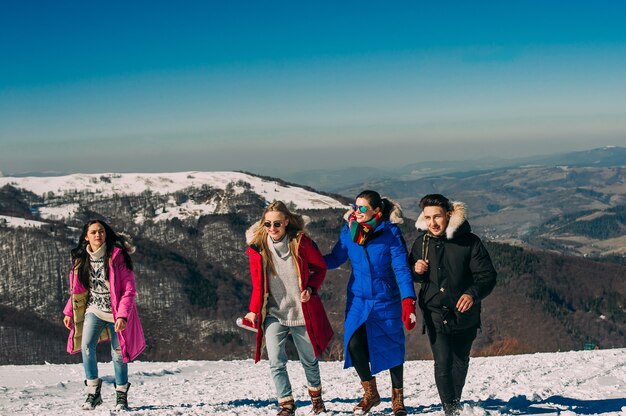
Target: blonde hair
x=293, y=229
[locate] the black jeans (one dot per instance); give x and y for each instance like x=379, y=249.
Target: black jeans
x=451, y=354
x=359, y=352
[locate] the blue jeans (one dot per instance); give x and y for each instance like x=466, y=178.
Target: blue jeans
x=275, y=338
x=92, y=327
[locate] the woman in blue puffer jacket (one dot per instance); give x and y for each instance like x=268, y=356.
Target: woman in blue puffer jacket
x=380, y=295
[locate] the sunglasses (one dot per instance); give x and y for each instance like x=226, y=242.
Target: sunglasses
x=276, y=224
x=361, y=208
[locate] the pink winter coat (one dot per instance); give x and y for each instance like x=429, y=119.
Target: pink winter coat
x=122, y=288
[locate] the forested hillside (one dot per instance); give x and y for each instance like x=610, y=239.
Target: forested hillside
x=193, y=280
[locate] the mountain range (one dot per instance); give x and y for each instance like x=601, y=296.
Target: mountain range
x=192, y=275
x=567, y=202
x=339, y=180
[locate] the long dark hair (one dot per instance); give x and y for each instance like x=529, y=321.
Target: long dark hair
x=80, y=255
x=376, y=201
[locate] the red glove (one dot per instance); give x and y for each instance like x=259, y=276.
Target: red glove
x=408, y=313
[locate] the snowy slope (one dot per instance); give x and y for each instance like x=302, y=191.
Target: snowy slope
x=17, y=222
x=109, y=184
x=570, y=383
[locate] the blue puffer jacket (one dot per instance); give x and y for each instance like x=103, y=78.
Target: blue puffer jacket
x=380, y=279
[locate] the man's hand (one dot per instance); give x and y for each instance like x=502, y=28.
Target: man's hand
x=67, y=321
x=421, y=266
x=465, y=303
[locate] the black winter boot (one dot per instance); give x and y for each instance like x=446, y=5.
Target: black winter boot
x=94, y=398
x=121, y=393
x=452, y=409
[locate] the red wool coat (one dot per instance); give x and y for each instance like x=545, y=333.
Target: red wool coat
x=311, y=271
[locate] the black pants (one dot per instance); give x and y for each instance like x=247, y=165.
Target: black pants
x=359, y=352
x=451, y=354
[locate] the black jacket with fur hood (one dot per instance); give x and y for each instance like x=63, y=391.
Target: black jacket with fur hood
x=458, y=264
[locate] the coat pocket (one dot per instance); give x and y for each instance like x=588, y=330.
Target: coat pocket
x=465, y=320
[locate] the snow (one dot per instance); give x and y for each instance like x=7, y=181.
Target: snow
x=17, y=222
x=58, y=212
x=109, y=184
x=567, y=383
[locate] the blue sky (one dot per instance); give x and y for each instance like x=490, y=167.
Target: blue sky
x=281, y=86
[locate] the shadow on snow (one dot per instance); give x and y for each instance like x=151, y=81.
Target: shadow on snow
x=518, y=405
x=521, y=405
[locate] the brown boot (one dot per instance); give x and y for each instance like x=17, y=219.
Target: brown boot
x=287, y=408
x=397, y=402
x=370, y=398
x=316, y=400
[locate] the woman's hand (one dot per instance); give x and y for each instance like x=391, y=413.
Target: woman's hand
x=251, y=316
x=120, y=324
x=421, y=266
x=305, y=296
x=67, y=321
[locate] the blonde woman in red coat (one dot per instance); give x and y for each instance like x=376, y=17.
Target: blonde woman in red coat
x=287, y=270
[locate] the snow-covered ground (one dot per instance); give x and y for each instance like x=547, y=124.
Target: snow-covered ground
x=569, y=384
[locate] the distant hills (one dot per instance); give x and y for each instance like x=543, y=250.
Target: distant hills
x=191, y=268
x=341, y=180
x=522, y=201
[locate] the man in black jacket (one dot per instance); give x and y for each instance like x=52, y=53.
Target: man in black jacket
x=456, y=273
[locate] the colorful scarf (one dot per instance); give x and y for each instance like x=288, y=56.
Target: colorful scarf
x=360, y=233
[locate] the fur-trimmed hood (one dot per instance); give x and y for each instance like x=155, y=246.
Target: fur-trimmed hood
x=250, y=232
x=395, y=215
x=255, y=226
x=457, y=218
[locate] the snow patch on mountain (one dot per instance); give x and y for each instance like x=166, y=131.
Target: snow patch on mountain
x=16, y=222
x=58, y=212
x=76, y=186
x=109, y=184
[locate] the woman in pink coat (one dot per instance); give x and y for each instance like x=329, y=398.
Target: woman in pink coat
x=102, y=307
